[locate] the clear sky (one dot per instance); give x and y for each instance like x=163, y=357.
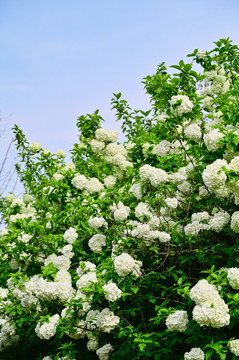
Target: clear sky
x=60, y=59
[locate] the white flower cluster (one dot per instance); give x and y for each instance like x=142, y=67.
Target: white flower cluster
x=116, y=154
x=121, y=212
x=8, y=334
x=185, y=106
x=48, y=329
x=84, y=267
x=234, y=346
x=201, y=54
x=61, y=262
x=27, y=198
x=213, y=176
x=91, y=186
x=124, y=265
x=216, y=82
x=104, y=352
x=219, y=221
x=210, y=308
x=93, y=343
x=106, y=135
x=203, y=221
x=194, y=354
x=154, y=175
x=212, y=139
x=235, y=222
x=110, y=181
x=107, y=321
x=96, y=243
x=61, y=154
x=172, y=203
x=164, y=148
x=70, y=235
x=177, y=321
x=142, y=209
x=3, y=293
x=97, y=146
x=233, y=277
x=193, y=132
x=60, y=289
x=58, y=176
x=25, y=238
x=35, y=147
x=97, y=223
x=112, y=292
x=86, y=280
x=136, y=190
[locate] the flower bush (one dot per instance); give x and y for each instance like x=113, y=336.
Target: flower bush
x=130, y=251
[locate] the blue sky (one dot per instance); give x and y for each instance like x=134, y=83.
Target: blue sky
x=60, y=59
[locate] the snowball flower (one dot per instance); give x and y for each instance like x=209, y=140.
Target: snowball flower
x=27, y=198
x=211, y=309
x=57, y=176
x=192, y=229
x=112, y=292
x=233, y=277
x=234, y=346
x=172, y=203
x=193, y=132
x=142, y=209
x=201, y=54
x=97, y=223
x=194, y=354
x=106, y=135
x=61, y=154
x=84, y=267
x=93, y=185
x=107, y=321
x=185, y=106
x=121, y=212
x=124, y=264
x=104, y=351
x=136, y=190
x=35, y=147
x=47, y=330
x=177, y=321
x=110, y=181
x=96, y=242
x=86, y=280
x=154, y=175
x=212, y=140
x=79, y=182
x=235, y=222
x=97, y=146
x=70, y=235
x=213, y=176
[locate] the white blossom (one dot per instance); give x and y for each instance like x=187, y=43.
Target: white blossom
x=194, y=354
x=124, y=264
x=70, y=235
x=106, y=135
x=233, y=277
x=177, y=321
x=61, y=154
x=107, y=321
x=112, y=292
x=104, y=352
x=46, y=330
x=234, y=346
x=35, y=147
x=185, y=106
x=96, y=242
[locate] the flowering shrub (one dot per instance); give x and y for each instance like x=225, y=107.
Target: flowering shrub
x=131, y=250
